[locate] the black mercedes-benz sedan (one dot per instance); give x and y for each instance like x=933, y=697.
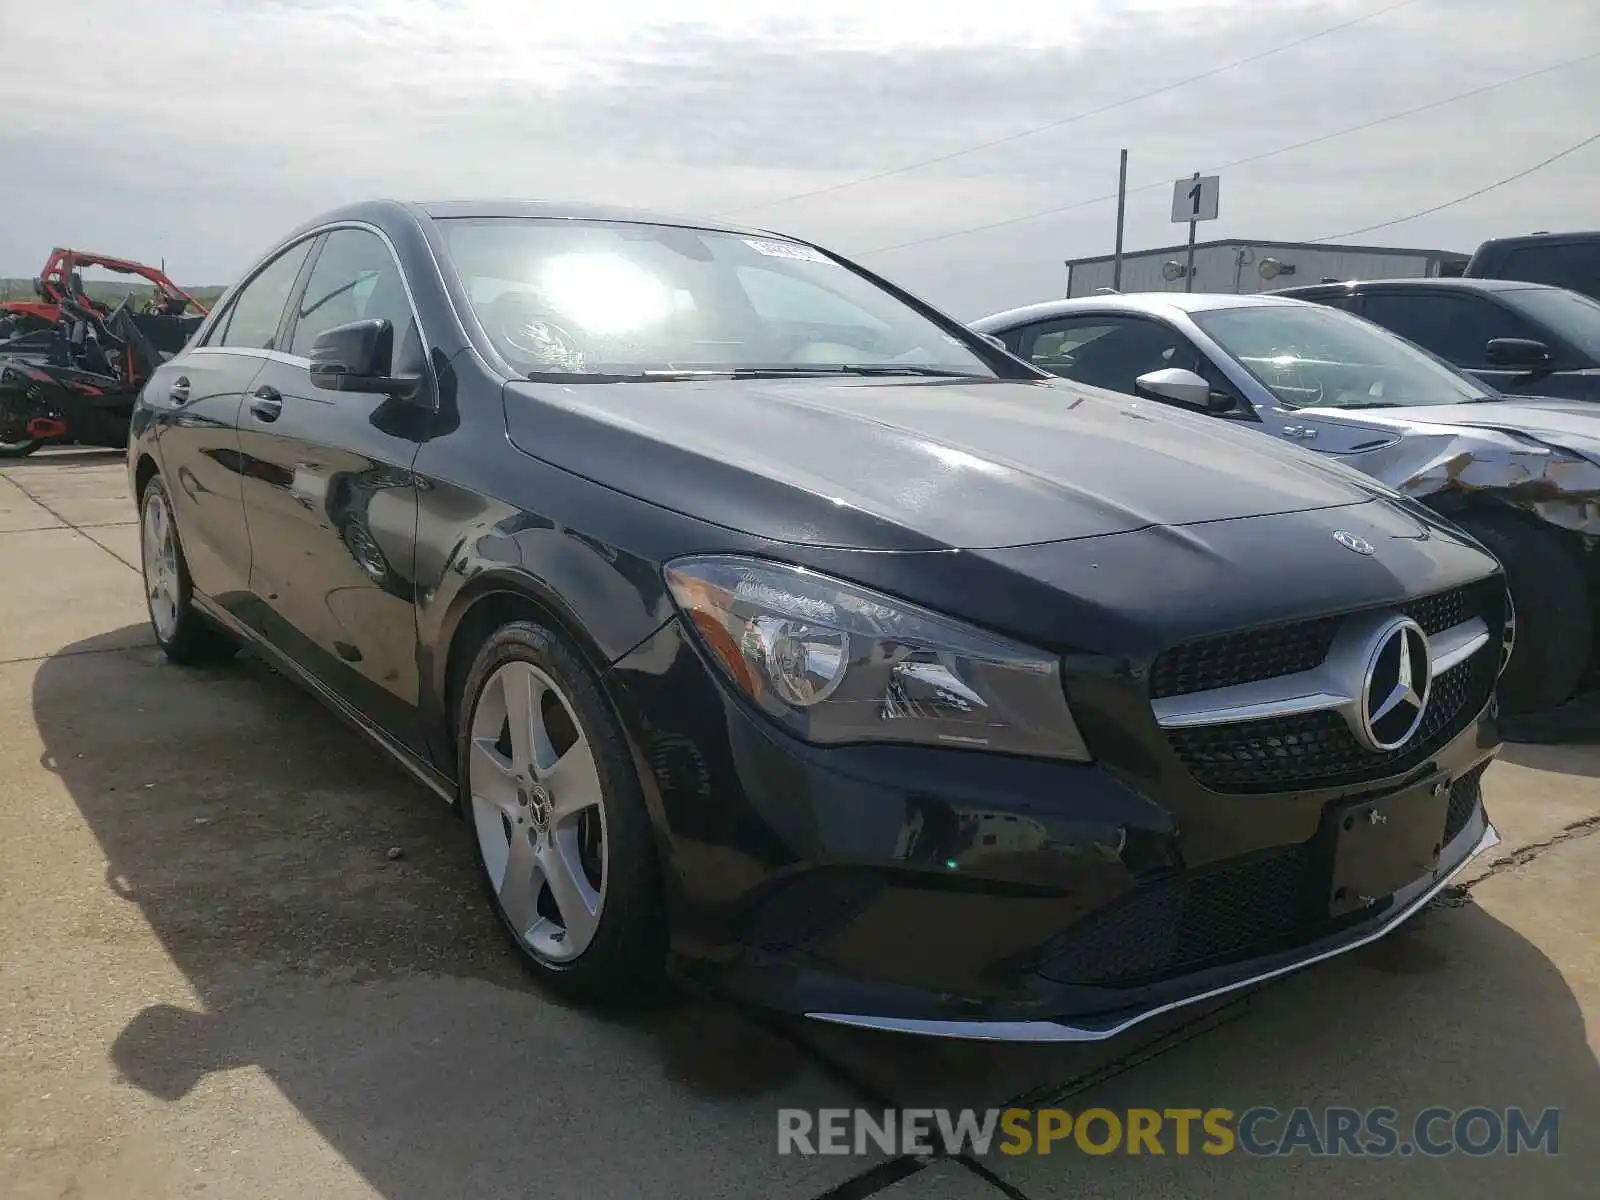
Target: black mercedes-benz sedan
x=764, y=621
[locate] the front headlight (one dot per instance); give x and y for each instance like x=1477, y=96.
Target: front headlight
x=837, y=663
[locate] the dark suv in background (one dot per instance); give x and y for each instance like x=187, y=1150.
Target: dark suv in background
x=1521, y=338
x=1568, y=260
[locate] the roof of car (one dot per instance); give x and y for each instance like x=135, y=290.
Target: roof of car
x=1127, y=302
x=381, y=209
x=1451, y=284
x=1544, y=236
x=566, y=211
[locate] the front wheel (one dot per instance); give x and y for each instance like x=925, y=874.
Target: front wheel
x=558, y=819
x=182, y=632
x=14, y=439
x=1555, y=631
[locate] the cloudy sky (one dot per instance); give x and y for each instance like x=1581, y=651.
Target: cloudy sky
x=199, y=130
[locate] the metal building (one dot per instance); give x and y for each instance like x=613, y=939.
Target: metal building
x=1237, y=266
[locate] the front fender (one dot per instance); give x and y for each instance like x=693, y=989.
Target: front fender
x=478, y=560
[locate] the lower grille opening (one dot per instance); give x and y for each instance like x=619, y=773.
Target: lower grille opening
x=808, y=910
x=1238, y=910
x=1465, y=797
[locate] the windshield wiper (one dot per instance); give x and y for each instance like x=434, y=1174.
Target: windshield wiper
x=802, y=370
x=1400, y=404
x=617, y=376
x=794, y=371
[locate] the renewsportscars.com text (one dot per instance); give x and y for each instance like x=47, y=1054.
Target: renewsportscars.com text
x=1263, y=1131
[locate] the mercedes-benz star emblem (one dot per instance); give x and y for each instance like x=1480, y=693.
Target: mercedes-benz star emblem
x=1394, y=691
x=537, y=798
x=1351, y=541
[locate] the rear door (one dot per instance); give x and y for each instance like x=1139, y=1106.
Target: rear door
x=195, y=399
x=333, y=520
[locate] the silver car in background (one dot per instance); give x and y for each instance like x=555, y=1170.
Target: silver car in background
x=1521, y=475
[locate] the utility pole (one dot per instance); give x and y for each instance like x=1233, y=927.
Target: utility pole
x=1122, y=208
x=1188, y=273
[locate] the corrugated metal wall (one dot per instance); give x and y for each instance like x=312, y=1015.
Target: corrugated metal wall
x=1235, y=269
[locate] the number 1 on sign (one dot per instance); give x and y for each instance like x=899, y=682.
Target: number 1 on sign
x=1195, y=199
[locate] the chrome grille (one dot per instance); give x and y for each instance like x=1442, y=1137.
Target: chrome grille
x=1317, y=749
x=1254, y=654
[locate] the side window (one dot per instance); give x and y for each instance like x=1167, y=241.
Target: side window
x=1455, y=326
x=1107, y=352
x=252, y=322
x=1347, y=301
x=354, y=278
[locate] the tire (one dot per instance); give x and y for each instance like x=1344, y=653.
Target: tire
x=13, y=423
x=527, y=809
x=184, y=634
x=1555, y=628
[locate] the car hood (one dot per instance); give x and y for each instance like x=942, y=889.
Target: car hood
x=1571, y=424
x=916, y=464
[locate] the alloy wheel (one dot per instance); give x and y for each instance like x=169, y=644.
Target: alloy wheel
x=538, y=812
x=160, y=554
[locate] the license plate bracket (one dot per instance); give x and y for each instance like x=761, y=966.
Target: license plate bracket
x=1381, y=845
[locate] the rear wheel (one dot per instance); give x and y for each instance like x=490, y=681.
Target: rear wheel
x=558, y=819
x=1555, y=630
x=181, y=630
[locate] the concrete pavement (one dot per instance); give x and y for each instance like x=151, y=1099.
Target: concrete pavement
x=214, y=981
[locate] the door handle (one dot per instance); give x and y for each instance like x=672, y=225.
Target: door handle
x=266, y=403
x=179, y=392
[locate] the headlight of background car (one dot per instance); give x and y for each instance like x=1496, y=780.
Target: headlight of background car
x=838, y=663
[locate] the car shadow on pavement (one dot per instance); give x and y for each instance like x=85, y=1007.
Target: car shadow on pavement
x=325, y=911
x=1564, y=759
x=66, y=458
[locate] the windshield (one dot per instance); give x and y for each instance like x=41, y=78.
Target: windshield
x=1310, y=356
x=593, y=300
x=1576, y=318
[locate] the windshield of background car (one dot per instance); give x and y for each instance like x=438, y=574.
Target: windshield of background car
x=609, y=298
x=1310, y=356
x=1574, y=317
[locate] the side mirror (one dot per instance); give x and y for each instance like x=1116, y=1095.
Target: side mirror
x=356, y=358
x=997, y=343
x=1516, y=352
x=1178, y=386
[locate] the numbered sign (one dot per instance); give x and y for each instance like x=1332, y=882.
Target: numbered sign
x=1195, y=199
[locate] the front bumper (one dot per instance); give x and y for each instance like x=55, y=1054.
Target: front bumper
x=1407, y=904
x=969, y=895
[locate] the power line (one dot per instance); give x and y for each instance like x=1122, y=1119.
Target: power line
x=1240, y=162
x=1499, y=183
x=1049, y=125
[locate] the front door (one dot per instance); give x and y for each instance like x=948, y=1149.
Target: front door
x=1458, y=326
x=333, y=523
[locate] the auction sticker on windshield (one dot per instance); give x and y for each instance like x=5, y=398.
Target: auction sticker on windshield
x=785, y=250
